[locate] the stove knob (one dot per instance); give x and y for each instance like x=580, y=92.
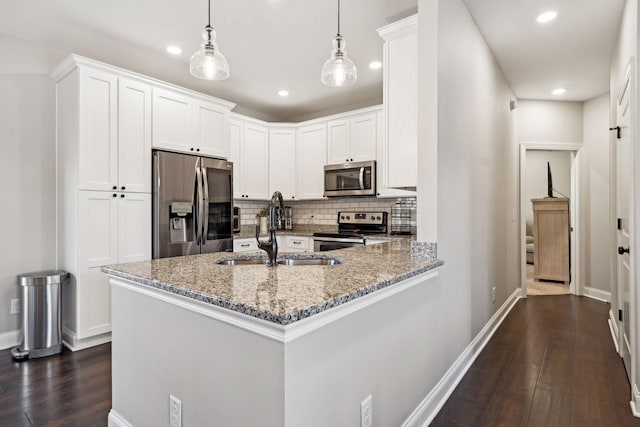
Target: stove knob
x=372, y=217
x=378, y=218
x=348, y=217
x=342, y=217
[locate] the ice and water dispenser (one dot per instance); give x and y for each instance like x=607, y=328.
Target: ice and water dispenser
x=181, y=222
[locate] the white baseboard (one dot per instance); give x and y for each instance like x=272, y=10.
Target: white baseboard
x=71, y=341
x=429, y=407
x=598, y=294
x=635, y=402
x=613, y=327
x=117, y=420
x=10, y=339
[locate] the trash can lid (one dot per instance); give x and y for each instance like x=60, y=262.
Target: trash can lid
x=39, y=278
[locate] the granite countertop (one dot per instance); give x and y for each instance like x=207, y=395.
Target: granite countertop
x=282, y=294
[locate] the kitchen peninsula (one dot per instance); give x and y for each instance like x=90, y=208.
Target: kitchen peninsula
x=252, y=345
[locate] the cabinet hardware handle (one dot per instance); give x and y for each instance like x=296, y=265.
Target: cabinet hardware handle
x=245, y=245
x=115, y=195
x=122, y=188
x=197, y=149
x=622, y=250
x=297, y=242
x=115, y=187
x=191, y=148
x=122, y=196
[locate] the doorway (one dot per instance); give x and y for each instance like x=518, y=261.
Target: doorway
x=555, y=150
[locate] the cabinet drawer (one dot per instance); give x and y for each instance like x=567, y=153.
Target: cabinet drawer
x=245, y=245
x=297, y=243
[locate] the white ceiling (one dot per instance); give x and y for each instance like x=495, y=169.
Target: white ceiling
x=276, y=44
x=573, y=51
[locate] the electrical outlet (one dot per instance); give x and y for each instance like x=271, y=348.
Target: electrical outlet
x=493, y=294
x=366, y=412
x=175, y=411
x=15, y=306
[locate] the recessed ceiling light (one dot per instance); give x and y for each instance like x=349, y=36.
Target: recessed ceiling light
x=283, y=93
x=375, y=65
x=558, y=91
x=547, y=16
x=174, y=50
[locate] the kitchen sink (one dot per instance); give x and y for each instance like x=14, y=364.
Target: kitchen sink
x=240, y=261
x=281, y=261
x=309, y=261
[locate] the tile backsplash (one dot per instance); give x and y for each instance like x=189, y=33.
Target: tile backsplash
x=318, y=212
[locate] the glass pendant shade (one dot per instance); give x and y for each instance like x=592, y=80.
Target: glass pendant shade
x=208, y=63
x=338, y=70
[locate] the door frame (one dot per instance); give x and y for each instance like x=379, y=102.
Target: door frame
x=575, y=286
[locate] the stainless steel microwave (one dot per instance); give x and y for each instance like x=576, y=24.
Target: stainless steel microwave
x=350, y=179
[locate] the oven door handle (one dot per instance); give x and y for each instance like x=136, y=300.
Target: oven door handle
x=362, y=178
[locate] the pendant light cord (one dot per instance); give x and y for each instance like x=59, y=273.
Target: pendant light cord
x=209, y=12
x=338, y=17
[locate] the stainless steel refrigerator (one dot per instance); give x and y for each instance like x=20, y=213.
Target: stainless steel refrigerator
x=192, y=204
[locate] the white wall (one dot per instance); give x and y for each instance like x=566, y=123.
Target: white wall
x=549, y=121
x=27, y=171
x=594, y=190
x=536, y=178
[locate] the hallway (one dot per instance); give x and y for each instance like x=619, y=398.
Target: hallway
x=551, y=363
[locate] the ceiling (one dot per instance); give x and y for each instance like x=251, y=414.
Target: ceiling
x=282, y=44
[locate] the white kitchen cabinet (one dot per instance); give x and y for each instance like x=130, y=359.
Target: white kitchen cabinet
x=103, y=164
x=113, y=228
x=382, y=190
x=188, y=124
x=282, y=162
x=351, y=139
x=250, y=156
x=245, y=245
x=400, y=94
x=298, y=244
x=311, y=154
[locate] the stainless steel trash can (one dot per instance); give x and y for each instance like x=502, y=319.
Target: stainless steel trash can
x=40, y=295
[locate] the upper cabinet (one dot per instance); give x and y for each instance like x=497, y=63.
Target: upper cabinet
x=351, y=139
x=282, y=162
x=189, y=124
x=400, y=84
x=382, y=188
x=250, y=156
x=311, y=154
x=114, y=129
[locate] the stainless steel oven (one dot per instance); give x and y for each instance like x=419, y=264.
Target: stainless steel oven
x=236, y=219
x=352, y=230
x=350, y=179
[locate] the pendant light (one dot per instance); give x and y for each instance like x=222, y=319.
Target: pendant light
x=208, y=63
x=338, y=70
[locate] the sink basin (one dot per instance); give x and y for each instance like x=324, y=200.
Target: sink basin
x=281, y=261
x=309, y=261
x=240, y=261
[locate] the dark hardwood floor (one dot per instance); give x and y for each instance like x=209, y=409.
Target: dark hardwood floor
x=69, y=389
x=551, y=363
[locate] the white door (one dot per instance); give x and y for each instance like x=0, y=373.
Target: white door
x=363, y=138
x=282, y=162
x=624, y=198
x=134, y=227
x=172, y=115
x=210, y=124
x=134, y=136
x=255, y=162
x=338, y=141
x=312, y=155
x=235, y=141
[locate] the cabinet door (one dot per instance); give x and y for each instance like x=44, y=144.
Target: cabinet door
x=381, y=184
x=282, y=162
x=245, y=245
x=98, y=150
x=311, y=153
x=363, y=138
x=338, y=141
x=98, y=228
x=134, y=227
x=211, y=130
x=134, y=136
x=93, y=304
x=255, y=162
x=172, y=127
x=297, y=244
x=235, y=141
x=401, y=106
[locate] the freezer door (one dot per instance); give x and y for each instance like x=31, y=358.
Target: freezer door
x=174, y=211
x=218, y=207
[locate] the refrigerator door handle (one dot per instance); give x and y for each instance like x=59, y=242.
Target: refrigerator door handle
x=198, y=204
x=205, y=204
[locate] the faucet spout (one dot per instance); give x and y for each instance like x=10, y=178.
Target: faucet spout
x=271, y=246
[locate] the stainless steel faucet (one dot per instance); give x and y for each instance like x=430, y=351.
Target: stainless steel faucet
x=271, y=246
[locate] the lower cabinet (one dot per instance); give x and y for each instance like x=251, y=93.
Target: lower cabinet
x=298, y=244
x=112, y=228
x=285, y=244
